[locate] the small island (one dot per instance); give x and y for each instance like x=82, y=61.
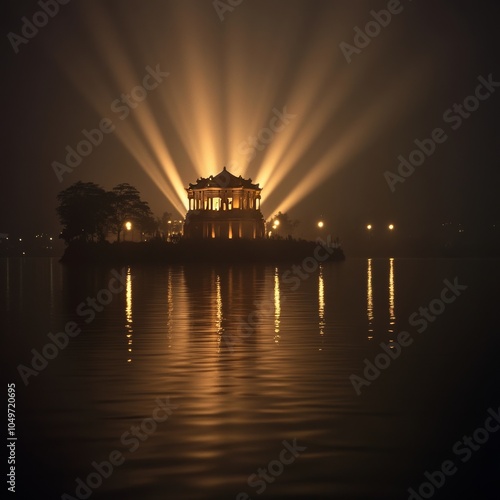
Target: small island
x=224, y=223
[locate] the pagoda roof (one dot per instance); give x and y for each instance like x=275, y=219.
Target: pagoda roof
x=224, y=179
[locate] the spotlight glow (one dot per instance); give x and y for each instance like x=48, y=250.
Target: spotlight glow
x=218, y=95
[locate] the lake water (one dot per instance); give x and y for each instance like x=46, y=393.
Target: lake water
x=251, y=357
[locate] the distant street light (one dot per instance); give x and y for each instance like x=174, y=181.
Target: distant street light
x=391, y=227
x=369, y=227
x=128, y=226
x=276, y=223
x=320, y=224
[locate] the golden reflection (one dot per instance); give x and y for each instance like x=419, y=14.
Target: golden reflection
x=369, y=299
x=392, y=314
x=277, y=306
x=218, y=322
x=128, y=313
x=170, y=307
x=321, y=301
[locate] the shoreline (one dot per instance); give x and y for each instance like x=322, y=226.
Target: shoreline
x=200, y=251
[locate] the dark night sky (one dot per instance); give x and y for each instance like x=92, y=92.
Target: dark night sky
x=428, y=58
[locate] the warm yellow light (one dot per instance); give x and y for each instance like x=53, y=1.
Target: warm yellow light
x=369, y=227
x=276, y=223
x=277, y=306
x=320, y=224
x=391, y=227
x=216, y=127
x=321, y=301
x=128, y=226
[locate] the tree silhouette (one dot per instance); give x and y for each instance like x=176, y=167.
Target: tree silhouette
x=164, y=224
x=83, y=212
x=126, y=206
x=88, y=213
x=147, y=223
x=280, y=225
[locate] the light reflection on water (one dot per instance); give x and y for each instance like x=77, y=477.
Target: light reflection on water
x=277, y=305
x=369, y=298
x=250, y=362
x=321, y=301
x=370, y=309
x=128, y=314
x=392, y=295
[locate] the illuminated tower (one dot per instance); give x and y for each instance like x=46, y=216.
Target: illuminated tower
x=224, y=206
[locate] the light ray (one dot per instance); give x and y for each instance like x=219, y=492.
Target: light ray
x=219, y=93
x=359, y=135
